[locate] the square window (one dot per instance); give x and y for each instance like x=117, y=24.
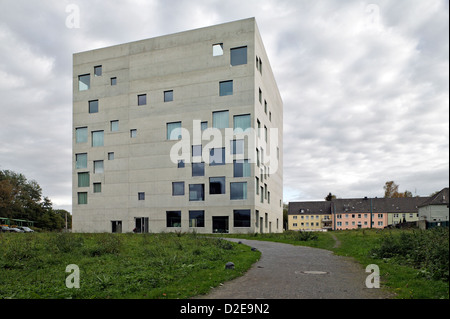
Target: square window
x=241, y=217
x=237, y=147
x=98, y=167
x=141, y=196
x=196, y=192
x=168, y=96
x=82, y=198
x=242, y=123
x=241, y=168
x=114, y=126
x=177, y=188
x=84, y=82
x=181, y=164
x=238, y=191
x=217, y=156
x=110, y=156
x=196, y=150
x=198, y=169
x=218, y=49
x=81, y=160
x=81, y=134
x=97, y=138
x=216, y=185
x=97, y=187
x=98, y=70
x=142, y=99
x=221, y=119
x=133, y=133
x=173, y=219
x=83, y=179
x=174, y=131
x=225, y=88
x=238, y=56
x=196, y=218
x=114, y=81
x=93, y=106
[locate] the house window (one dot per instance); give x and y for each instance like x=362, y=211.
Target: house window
x=181, y=164
x=238, y=56
x=225, y=88
x=196, y=150
x=84, y=82
x=173, y=219
x=98, y=167
x=196, y=218
x=203, y=125
x=220, y=119
x=97, y=138
x=174, y=131
x=265, y=106
x=216, y=185
x=133, y=133
x=238, y=191
x=217, y=156
x=114, y=126
x=242, y=122
x=257, y=185
x=98, y=70
x=241, y=168
x=97, y=187
x=82, y=198
x=141, y=196
x=196, y=192
x=218, y=49
x=81, y=160
x=237, y=147
x=142, y=99
x=110, y=156
x=168, y=96
x=93, y=106
x=241, y=217
x=81, y=134
x=83, y=179
x=114, y=81
x=198, y=169
x=177, y=188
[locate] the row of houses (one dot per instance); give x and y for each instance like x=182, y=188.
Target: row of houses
x=341, y=214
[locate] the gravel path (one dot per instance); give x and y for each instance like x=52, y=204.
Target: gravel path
x=295, y=272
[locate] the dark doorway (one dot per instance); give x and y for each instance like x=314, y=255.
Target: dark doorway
x=220, y=224
x=116, y=226
x=141, y=225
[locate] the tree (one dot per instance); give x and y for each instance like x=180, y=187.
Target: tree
x=330, y=197
x=391, y=191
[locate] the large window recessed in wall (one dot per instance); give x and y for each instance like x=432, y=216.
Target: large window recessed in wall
x=196, y=218
x=237, y=147
x=221, y=119
x=84, y=82
x=81, y=134
x=97, y=138
x=82, y=198
x=174, y=131
x=98, y=70
x=217, y=156
x=238, y=191
x=218, y=49
x=226, y=88
x=241, y=217
x=83, y=179
x=97, y=187
x=177, y=188
x=216, y=185
x=238, y=56
x=198, y=169
x=114, y=126
x=81, y=161
x=173, y=219
x=241, y=123
x=196, y=150
x=142, y=99
x=241, y=168
x=98, y=167
x=93, y=106
x=114, y=81
x=196, y=192
x=168, y=96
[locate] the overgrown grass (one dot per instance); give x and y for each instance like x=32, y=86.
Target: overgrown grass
x=117, y=265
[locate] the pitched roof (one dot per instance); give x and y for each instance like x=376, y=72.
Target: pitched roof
x=440, y=198
x=318, y=207
x=379, y=205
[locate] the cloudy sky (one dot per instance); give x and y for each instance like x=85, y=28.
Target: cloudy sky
x=365, y=85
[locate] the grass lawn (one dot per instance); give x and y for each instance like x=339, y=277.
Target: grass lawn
x=406, y=274
x=125, y=266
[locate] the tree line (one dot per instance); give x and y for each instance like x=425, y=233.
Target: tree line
x=21, y=198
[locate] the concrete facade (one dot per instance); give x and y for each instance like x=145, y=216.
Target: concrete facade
x=125, y=101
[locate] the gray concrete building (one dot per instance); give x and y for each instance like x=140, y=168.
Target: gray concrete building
x=182, y=132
